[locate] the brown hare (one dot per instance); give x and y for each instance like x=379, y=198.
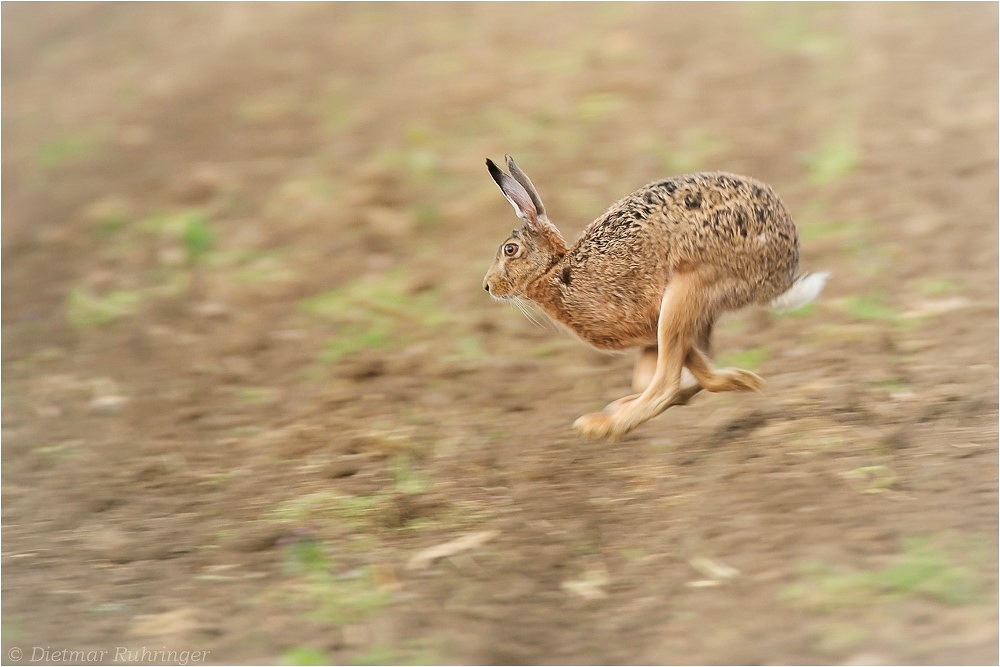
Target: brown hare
x=655, y=272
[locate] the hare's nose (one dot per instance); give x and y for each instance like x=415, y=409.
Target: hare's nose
x=486, y=286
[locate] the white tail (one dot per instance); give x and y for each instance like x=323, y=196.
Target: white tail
x=805, y=288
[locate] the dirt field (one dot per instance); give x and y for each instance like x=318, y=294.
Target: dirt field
x=250, y=374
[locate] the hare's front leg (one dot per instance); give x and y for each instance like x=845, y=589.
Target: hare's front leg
x=645, y=368
x=683, y=305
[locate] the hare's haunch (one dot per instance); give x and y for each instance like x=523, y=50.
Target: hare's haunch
x=655, y=272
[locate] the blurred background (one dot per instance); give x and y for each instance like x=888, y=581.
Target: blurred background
x=253, y=391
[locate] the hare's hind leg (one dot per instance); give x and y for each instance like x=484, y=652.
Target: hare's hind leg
x=721, y=379
x=684, y=304
x=713, y=379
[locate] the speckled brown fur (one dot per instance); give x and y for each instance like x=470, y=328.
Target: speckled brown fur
x=624, y=259
x=718, y=241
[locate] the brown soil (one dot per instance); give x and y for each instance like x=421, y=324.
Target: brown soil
x=200, y=455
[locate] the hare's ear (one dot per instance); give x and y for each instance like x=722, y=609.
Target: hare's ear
x=515, y=194
x=521, y=195
x=523, y=179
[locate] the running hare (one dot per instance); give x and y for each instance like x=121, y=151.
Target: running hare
x=655, y=272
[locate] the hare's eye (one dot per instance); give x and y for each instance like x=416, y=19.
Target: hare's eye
x=510, y=249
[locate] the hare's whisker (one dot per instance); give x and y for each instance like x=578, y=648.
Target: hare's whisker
x=521, y=309
x=527, y=308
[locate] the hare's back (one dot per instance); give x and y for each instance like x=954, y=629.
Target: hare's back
x=704, y=204
x=733, y=222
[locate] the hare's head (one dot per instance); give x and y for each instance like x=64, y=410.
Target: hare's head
x=530, y=250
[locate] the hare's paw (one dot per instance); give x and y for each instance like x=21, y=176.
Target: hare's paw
x=611, y=422
x=604, y=424
x=595, y=425
x=742, y=380
x=734, y=379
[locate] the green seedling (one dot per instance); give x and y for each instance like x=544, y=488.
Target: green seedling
x=305, y=555
x=190, y=227
x=109, y=227
x=750, y=359
x=732, y=323
x=870, y=258
x=11, y=633
x=554, y=63
x=814, y=225
x=330, y=597
x=920, y=571
x=405, y=478
x=377, y=297
x=938, y=287
x=695, y=150
x=168, y=283
x=108, y=215
x=826, y=442
x=69, y=148
x=546, y=349
x=871, y=307
x=344, y=599
x=57, y=452
x=304, y=656
x=421, y=164
x=893, y=384
x=261, y=267
x=198, y=237
x=810, y=230
x=632, y=554
x=355, y=338
x=256, y=395
x=418, y=134
x=804, y=311
x=349, y=511
x=878, y=478
x=597, y=107
x=225, y=535
x=335, y=107
x=338, y=118
x=471, y=347
x=520, y=130
x=835, y=158
x=788, y=28
x=373, y=313
x=428, y=217
x=84, y=309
